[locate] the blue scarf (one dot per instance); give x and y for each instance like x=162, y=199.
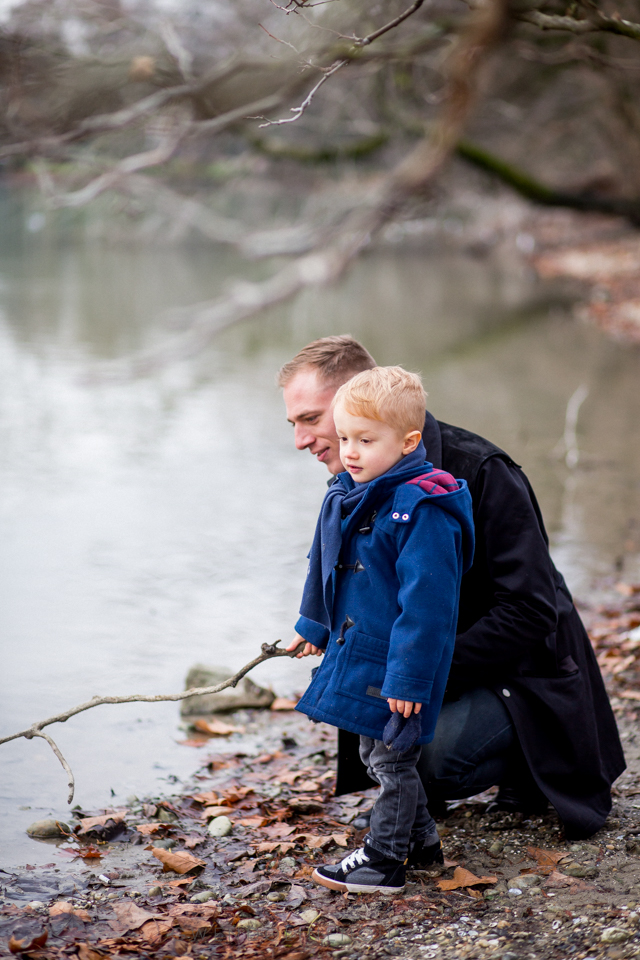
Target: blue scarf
x=341, y=499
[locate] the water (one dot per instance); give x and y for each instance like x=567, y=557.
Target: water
x=149, y=525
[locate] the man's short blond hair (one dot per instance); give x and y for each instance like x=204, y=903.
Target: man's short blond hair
x=335, y=359
x=391, y=395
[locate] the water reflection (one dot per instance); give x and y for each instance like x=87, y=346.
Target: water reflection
x=149, y=525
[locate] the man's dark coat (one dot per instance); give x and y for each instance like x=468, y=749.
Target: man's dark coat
x=520, y=635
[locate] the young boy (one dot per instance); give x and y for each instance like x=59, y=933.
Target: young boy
x=393, y=539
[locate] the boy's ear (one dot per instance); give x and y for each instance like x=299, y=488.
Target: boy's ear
x=411, y=441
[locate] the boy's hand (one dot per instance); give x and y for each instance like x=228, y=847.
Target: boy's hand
x=308, y=648
x=405, y=707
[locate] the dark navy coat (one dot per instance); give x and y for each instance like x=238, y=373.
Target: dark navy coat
x=398, y=580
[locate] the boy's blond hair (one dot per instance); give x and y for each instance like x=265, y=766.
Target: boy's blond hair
x=391, y=395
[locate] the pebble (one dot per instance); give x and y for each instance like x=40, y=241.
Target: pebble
x=165, y=844
x=220, y=827
x=251, y=923
x=166, y=816
x=496, y=848
x=337, y=940
x=514, y=892
x=155, y=891
x=35, y=905
x=579, y=870
x=288, y=866
x=614, y=935
x=309, y=915
x=48, y=829
x=203, y=897
x=277, y=896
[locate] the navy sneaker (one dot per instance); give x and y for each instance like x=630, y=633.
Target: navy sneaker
x=363, y=871
x=422, y=855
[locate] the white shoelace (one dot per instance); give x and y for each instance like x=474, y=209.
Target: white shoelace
x=355, y=859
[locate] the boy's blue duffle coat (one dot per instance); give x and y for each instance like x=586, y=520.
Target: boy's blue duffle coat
x=395, y=604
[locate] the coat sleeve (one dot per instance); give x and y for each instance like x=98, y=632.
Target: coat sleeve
x=513, y=579
x=428, y=569
x=312, y=632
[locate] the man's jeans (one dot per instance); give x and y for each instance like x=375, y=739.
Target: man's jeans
x=400, y=813
x=474, y=748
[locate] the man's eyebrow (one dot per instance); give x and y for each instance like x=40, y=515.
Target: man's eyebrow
x=304, y=415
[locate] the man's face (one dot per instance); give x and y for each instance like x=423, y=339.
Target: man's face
x=308, y=402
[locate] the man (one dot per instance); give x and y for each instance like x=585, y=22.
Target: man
x=525, y=707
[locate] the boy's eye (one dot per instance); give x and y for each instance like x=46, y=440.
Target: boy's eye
x=365, y=441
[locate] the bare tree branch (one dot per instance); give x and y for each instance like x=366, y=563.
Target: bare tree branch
x=269, y=651
x=365, y=41
x=298, y=111
x=596, y=22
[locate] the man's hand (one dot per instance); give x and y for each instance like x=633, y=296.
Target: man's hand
x=308, y=648
x=405, y=707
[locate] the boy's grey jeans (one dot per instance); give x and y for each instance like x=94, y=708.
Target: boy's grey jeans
x=400, y=815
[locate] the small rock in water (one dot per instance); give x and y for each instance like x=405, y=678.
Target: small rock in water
x=251, y=923
x=220, y=827
x=48, y=829
x=614, y=935
x=288, y=866
x=309, y=915
x=337, y=940
x=203, y=897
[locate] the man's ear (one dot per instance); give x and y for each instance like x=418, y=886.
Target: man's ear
x=411, y=441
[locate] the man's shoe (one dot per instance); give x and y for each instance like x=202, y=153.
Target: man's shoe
x=363, y=871
x=422, y=856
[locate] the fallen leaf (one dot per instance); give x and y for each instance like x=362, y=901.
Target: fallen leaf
x=307, y=786
x=449, y=863
x=154, y=930
x=276, y=831
x=557, y=879
x=268, y=846
x=148, y=828
x=178, y=884
x=129, y=917
x=216, y=728
x=282, y=703
x=180, y=862
x=88, y=823
x=84, y=853
x=63, y=907
x=257, y=821
x=86, y=952
x=192, y=926
x=24, y=946
x=546, y=858
x=192, y=842
x=629, y=695
x=219, y=811
x=464, y=878
x=237, y=793
x=289, y=777
x=210, y=797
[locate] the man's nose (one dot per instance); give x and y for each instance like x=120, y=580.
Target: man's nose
x=303, y=436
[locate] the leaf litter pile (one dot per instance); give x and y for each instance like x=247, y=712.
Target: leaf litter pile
x=222, y=869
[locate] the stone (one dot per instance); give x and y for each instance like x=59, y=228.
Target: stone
x=526, y=880
x=514, y=891
x=277, y=896
x=166, y=816
x=155, y=891
x=165, y=844
x=251, y=923
x=246, y=695
x=203, y=897
x=337, y=940
x=309, y=915
x=579, y=869
x=496, y=848
x=288, y=866
x=491, y=894
x=48, y=829
x=614, y=935
x=220, y=827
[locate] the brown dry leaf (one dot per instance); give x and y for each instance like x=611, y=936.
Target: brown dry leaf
x=307, y=786
x=87, y=823
x=256, y=821
x=546, y=858
x=290, y=776
x=180, y=862
x=148, y=828
x=217, y=811
x=56, y=909
x=210, y=797
x=86, y=952
x=268, y=846
x=557, y=879
x=129, y=917
x=281, y=703
x=179, y=884
x=628, y=695
x=192, y=842
x=154, y=930
x=276, y=831
x=194, y=925
x=464, y=878
x=449, y=863
x=307, y=804
x=24, y=946
x=216, y=728
x=236, y=793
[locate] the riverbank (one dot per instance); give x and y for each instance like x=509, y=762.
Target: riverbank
x=153, y=879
